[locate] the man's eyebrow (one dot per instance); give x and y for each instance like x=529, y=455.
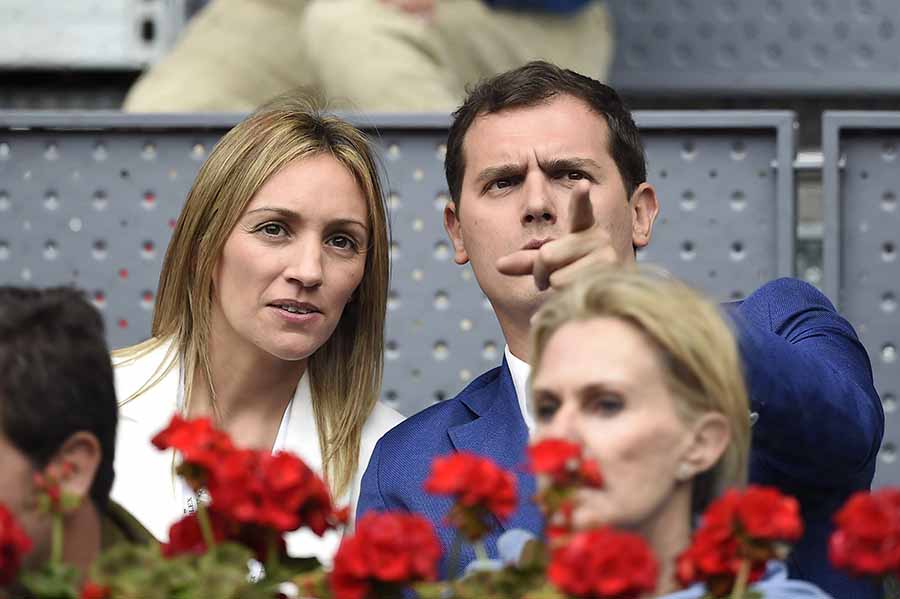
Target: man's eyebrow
x=553, y=165
x=500, y=171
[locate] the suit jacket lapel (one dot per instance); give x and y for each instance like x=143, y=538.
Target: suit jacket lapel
x=499, y=432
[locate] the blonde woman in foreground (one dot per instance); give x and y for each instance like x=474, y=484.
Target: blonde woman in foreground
x=644, y=373
x=269, y=315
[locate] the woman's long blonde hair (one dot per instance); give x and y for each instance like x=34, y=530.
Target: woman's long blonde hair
x=345, y=373
x=696, y=348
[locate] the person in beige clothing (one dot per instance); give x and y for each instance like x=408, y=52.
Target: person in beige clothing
x=367, y=55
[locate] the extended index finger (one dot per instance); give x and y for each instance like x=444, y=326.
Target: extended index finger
x=581, y=212
x=518, y=263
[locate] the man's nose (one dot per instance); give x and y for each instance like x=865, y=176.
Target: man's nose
x=540, y=203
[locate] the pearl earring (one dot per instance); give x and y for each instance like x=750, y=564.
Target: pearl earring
x=683, y=473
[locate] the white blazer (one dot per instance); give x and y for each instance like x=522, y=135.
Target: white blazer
x=145, y=485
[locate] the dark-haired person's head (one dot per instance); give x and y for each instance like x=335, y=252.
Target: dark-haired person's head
x=58, y=409
x=524, y=152
x=538, y=83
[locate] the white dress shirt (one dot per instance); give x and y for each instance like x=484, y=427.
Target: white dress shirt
x=520, y=372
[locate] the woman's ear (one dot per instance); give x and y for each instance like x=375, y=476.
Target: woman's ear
x=710, y=436
x=76, y=463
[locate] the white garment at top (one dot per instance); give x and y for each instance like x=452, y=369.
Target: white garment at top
x=520, y=372
x=145, y=485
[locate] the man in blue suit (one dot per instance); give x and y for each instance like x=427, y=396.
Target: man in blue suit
x=547, y=176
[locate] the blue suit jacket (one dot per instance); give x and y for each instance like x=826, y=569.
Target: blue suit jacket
x=819, y=428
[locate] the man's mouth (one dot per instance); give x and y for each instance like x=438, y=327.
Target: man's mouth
x=535, y=244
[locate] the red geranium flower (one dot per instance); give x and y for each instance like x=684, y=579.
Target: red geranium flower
x=279, y=492
x=753, y=526
x=14, y=544
x=767, y=515
x=389, y=551
x=564, y=464
x=866, y=541
x=562, y=470
x=480, y=488
x=604, y=563
x=714, y=558
x=185, y=536
x=201, y=445
x=92, y=590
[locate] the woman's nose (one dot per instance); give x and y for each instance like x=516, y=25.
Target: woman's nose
x=304, y=265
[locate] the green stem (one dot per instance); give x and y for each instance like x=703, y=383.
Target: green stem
x=272, y=554
x=205, y=527
x=740, y=583
x=453, y=559
x=56, y=539
x=480, y=551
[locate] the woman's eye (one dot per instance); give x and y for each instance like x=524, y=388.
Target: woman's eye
x=544, y=411
x=605, y=404
x=272, y=229
x=342, y=242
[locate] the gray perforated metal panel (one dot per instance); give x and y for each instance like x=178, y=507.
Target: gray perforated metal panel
x=758, y=47
x=862, y=241
x=91, y=34
x=725, y=183
x=90, y=199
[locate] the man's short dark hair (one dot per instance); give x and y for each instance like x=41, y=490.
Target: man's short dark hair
x=536, y=83
x=56, y=377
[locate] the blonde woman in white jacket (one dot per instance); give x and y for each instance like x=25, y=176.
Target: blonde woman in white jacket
x=269, y=315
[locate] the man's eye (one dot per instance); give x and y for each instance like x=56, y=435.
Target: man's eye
x=501, y=183
x=576, y=175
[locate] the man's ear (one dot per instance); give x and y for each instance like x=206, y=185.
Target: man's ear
x=644, y=208
x=454, y=230
x=710, y=436
x=82, y=452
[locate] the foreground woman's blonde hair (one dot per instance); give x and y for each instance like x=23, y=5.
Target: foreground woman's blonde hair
x=697, y=351
x=345, y=373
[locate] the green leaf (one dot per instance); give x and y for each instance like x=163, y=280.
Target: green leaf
x=222, y=572
x=534, y=556
x=313, y=584
x=58, y=581
x=433, y=590
x=141, y=572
